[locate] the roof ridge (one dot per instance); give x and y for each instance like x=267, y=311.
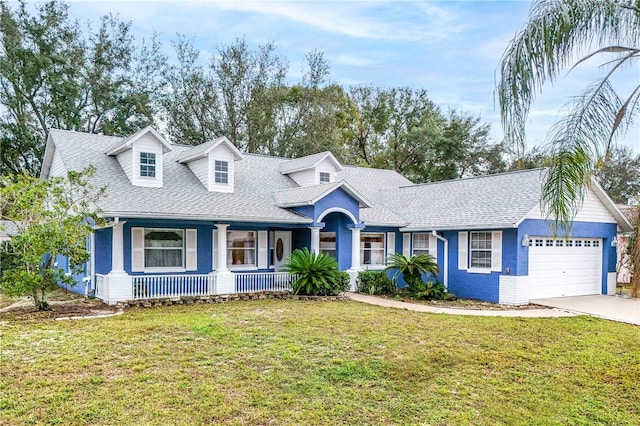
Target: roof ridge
x=511, y=172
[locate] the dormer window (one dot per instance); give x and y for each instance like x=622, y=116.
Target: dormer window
x=325, y=177
x=147, y=164
x=222, y=172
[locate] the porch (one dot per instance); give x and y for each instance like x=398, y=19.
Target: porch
x=114, y=288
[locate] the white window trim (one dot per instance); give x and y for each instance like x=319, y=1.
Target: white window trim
x=383, y=249
x=155, y=165
x=413, y=243
x=320, y=173
x=228, y=172
x=496, y=253
x=478, y=269
x=243, y=267
x=335, y=247
x=182, y=268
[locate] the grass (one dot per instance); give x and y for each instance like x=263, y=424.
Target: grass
x=285, y=362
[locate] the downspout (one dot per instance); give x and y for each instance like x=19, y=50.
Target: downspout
x=445, y=275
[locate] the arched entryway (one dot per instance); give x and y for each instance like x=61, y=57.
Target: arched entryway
x=336, y=237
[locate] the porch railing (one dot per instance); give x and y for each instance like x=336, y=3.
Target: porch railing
x=101, y=287
x=255, y=282
x=167, y=286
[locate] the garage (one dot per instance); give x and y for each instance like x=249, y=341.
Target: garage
x=564, y=267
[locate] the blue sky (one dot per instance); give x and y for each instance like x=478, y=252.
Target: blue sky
x=452, y=49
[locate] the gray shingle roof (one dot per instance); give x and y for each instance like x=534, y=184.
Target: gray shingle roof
x=182, y=196
x=198, y=149
x=494, y=201
x=308, y=195
x=261, y=191
x=304, y=163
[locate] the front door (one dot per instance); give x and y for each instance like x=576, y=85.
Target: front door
x=281, y=248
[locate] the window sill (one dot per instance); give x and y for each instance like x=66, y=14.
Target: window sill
x=479, y=271
x=242, y=267
x=372, y=267
x=164, y=270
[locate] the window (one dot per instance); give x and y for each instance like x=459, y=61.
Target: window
x=481, y=250
x=578, y=243
x=147, y=164
x=559, y=243
x=372, y=249
x=328, y=243
x=587, y=243
x=538, y=243
x=596, y=243
x=569, y=243
x=548, y=243
x=420, y=244
x=221, y=172
x=325, y=177
x=241, y=248
x=163, y=248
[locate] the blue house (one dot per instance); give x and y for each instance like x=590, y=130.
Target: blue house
x=208, y=219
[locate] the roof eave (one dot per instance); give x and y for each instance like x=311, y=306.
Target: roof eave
x=228, y=218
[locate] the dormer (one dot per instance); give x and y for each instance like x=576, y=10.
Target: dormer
x=213, y=163
x=140, y=156
x=312, y=169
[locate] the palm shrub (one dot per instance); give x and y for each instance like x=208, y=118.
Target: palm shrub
x=374, y=282
x=316, y=274
x=412, y=269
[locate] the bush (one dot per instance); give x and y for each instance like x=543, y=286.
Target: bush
x=431, y=290
x=374, y=282
x=316, y=274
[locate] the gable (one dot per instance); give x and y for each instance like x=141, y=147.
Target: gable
x=593, y=210
x=57, y=165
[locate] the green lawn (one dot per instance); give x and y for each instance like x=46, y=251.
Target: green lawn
x=285, y=362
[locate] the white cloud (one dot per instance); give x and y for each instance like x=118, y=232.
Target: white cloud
x=365, y=20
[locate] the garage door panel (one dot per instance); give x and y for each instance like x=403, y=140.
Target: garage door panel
x=564, y=268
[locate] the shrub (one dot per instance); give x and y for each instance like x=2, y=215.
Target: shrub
x=317, y=274
x=374, y=282
x=431, y=290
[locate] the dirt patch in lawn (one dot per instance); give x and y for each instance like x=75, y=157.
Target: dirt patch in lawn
x=23, y=310
x=466, y=304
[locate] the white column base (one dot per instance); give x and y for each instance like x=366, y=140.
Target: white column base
x=353, y=276
x=119, y=287
x=611, y=283
x=225, y=282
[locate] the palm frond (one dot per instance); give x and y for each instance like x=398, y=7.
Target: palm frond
x=557, y=31
x=575, y=143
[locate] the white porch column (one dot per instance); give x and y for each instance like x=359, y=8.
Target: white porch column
x=315, y=239
x=355, y=249
x=119, y=282
x=355, y=257
x=222, y=247
x=117, y=247
x=225, y=279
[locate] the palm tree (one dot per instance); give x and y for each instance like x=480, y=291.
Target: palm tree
x=558, y=32
x=412, y=268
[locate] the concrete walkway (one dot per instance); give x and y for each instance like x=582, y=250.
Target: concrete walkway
x=515, y=313
x=614, y=308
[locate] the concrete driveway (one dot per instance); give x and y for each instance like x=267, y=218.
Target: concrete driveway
x=609, y=307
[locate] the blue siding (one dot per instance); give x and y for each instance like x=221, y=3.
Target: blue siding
x=102, y=246
x=472, y=285
x=337, y=222
x=204, y=235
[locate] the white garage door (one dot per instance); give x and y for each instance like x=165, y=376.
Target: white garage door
x=559, y=267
